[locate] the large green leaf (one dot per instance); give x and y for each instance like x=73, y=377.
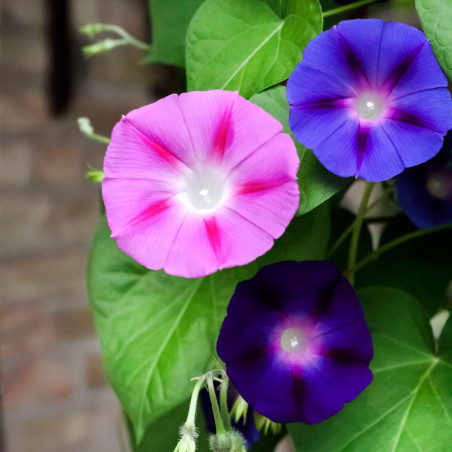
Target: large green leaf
x=436, y=20
x=163, y=434
x=170, y=19
x=421, y=267
x=316, y=183
x=158, y=331
x=408, y=406
x=248, y=45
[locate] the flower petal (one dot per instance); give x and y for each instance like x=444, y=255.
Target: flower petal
x=229, y=134
x=143, y=219
x=194, y=250
x=362, y=39
x=328, y=385
x=241, y=239
x=339, y=151
x=377, y=148
x=265, y=190
x=327, y=48
x=407, y=63
x=313, y=124
x=132, y=155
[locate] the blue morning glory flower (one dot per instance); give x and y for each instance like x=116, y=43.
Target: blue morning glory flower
x=370, y=99
x=425, y=192
x=295, y=342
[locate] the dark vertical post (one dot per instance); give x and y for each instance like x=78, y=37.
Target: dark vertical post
x=59, y=75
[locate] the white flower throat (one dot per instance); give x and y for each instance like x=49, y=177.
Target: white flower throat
x=369, y=105
x=205, y=189
x=293, y=340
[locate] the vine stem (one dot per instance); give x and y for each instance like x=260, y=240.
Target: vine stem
x=357, y=225
x=396, y=242
x=224, y=402
x=341, y=9
x=194, y=400
x=349, y=229
x=219, y=426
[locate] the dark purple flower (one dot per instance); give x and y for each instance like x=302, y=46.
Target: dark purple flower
x=370, y=99
x=295, y=342
x=425, y=192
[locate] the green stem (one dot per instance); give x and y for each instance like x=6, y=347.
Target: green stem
x=130, y=39
x=194, y=400
x=341, y=9
x=396, y=242
x=357, y=231
x=339, y=241
x=100, y=138
x=349, y=229
x=215, y=409
x=224, y=402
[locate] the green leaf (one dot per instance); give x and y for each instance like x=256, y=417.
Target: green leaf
x=306, y=238
x=316, y=183
x=158, y=331
x=421, y=267
x=170, y=19
x=163, y=434
x=245, y=45
x=408, y=406
x=436, y=20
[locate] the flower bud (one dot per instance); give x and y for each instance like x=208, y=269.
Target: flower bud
x=230, y=441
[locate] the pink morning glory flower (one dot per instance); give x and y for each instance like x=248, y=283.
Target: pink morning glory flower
x=199, y=182
x=370, y=99
x=295, y=342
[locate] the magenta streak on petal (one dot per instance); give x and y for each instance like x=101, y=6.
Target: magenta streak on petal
x=400, y=70
x=161, y=150
x=352, y=61
x=151, y=211
x=363, y=136
x=395, y=114
x=223, y=133
x=254, y=187
x=214, y=237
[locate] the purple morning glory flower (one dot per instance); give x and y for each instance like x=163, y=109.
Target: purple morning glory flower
x=295, y=342
x=425, y=192
x=370, y=99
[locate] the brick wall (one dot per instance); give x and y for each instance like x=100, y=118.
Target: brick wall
x=55, y=396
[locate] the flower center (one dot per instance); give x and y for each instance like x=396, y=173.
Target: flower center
x=369, y=105
x=293, y=340
x=205, y=189
x=440, y=185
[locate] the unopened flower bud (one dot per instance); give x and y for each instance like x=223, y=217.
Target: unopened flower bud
x=230, y=441
x=187, y=442
x=92, y=30
x=102, y=46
